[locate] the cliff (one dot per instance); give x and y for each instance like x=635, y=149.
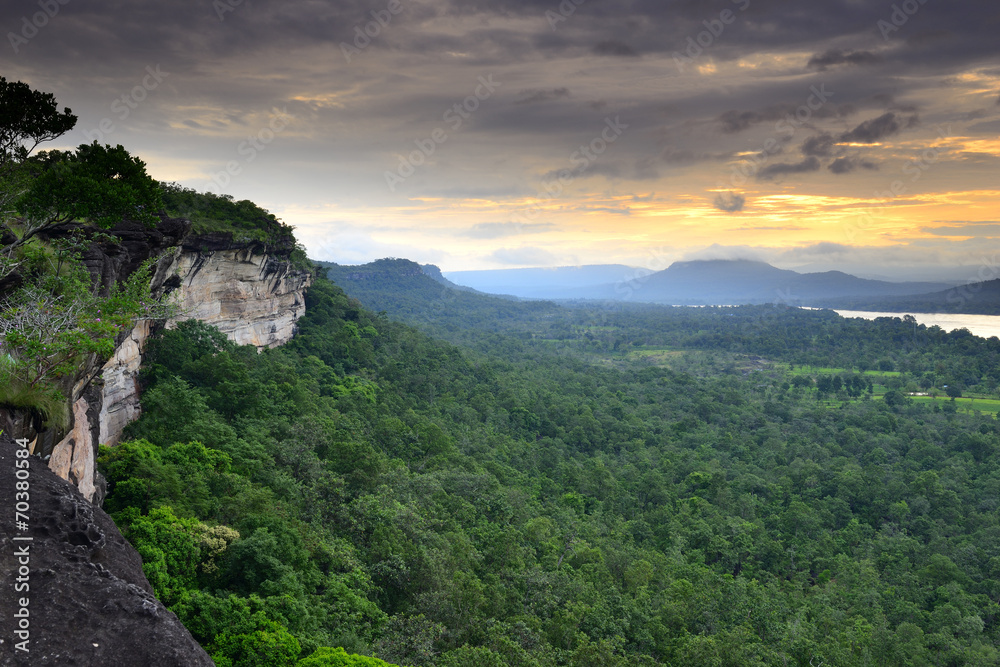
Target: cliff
x=88, y=601
x=248, y=290
x=250, y=293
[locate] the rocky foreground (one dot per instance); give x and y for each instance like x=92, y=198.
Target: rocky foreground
x=88, y=601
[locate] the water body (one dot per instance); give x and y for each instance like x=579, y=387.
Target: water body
x=979, y=325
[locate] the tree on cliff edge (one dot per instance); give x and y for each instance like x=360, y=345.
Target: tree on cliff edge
x=97, y=185
x=51, y=316
x=27, y=119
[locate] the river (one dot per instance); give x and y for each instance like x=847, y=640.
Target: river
x=979, y=325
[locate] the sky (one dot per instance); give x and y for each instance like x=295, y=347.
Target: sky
x=860, y=135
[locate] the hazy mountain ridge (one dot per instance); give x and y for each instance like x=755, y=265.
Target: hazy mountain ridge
x=564, y=282
x=701, y=282
x=421, y=295
x=434, y=273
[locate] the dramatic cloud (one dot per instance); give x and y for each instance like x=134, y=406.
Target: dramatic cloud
x=611, y=47
x=447, y=129
x=730, y=202
x=845, y=165
x=839, y=57
x=734, y=121
x=820, y=145
x=877, y=129
x=774, y=171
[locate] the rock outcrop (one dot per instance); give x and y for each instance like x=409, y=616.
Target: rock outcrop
x=88, y=601
x=73, y=458
x=249, y=290
x=120, y=385
x=128, y=245
x=249, y=295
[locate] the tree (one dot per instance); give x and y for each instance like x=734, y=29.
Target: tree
x=99, y=185
x=28, y=118
x=96, y=184
x=51, y=317
x=895, y=399
x=48, y=326
x=170, y=548
x=338, y=657
x=257, y=642
x=954, y=391
x=471, y=656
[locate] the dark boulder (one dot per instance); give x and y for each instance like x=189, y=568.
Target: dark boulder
x=89, y=601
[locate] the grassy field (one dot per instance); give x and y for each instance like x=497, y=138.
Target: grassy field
x=964, y=404
x=821, y=370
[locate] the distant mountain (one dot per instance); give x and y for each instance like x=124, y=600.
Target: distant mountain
x=556, y=283
x=434, y=273
x=710, y=282
x=745, y=281
x=421, y=296
x=975, y=299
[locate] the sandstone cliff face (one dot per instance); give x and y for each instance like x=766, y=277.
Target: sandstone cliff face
x=250, y=296
x=120, y=389
x=107, y=262
x=247, y=290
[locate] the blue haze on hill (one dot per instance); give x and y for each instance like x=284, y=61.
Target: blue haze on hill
x=694, y=282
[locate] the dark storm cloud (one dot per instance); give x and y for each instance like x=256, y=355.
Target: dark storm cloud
x=839, y=57
x=820, y=145
x=730, y=202
x=605, y=168
x=535, y=96
x=190, y=30
x=189, y=35
x=97, y=35
x=774, y=171
x=354, y=118
x=735, y=121
x=644, y=26
x=845, y=165
x=876, y=129
x=610, y=47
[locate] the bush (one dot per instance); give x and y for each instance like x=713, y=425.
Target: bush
x=338, y=657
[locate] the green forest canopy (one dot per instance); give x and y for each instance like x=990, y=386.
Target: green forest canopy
x=504, y=502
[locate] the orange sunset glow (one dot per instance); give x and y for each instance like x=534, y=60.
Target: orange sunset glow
x=509, y=136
